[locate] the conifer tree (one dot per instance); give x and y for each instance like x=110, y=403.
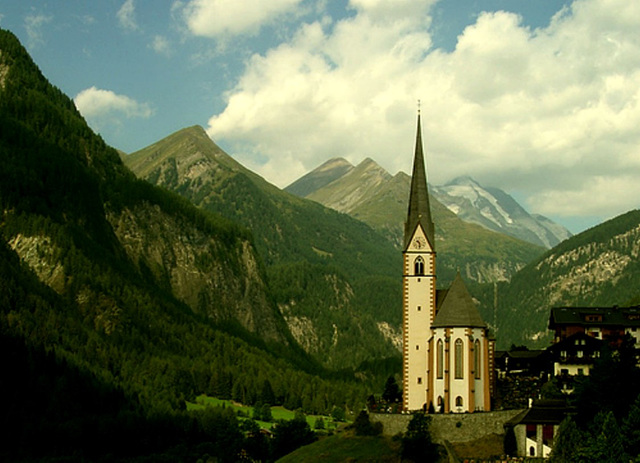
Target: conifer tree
x=391, y=391
x=568, y=445
x=607, y=444
x=417, y=445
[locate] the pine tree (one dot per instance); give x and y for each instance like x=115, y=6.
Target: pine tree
x=568, y=445
x=391, y=392
x=607, y=442
x=417, y=445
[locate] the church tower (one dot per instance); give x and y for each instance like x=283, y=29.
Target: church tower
x=447, y=353
x=419, y=285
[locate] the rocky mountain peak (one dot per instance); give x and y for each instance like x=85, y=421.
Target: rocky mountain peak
x=496, y=210
x=335, y=163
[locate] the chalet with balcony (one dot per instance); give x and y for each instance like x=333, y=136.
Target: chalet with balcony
x=609, y=324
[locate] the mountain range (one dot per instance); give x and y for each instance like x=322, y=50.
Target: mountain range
x=596, y=267
x=369, y=192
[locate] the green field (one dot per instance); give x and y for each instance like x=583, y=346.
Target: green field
x=245, y=411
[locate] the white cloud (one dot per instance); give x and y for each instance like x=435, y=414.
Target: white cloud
x=160, y=45
x=87, y=20
x=104, y=105
x=127, y=16
x=33, y=24
x=216, y=18
x=393, y=10
x=552, y=113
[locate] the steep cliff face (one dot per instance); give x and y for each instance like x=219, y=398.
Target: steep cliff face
x=42, y=256
x=219, y=281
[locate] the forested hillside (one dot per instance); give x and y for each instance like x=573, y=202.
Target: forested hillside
x=335, y=280
x=598, y=267
x=113, y=289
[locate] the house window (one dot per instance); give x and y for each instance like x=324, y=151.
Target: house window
x=419, y=380
x=418, y=265
x=580, y=371
x=459, y=359
x=580, y=354
x=419, y=308
x=417, y=347
x=440, y=350
x=563, y=354
x=476, y=359
x=459, y=401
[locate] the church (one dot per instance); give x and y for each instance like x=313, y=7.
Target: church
x=447, y=352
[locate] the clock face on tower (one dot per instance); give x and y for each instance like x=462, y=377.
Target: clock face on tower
x=419, y=242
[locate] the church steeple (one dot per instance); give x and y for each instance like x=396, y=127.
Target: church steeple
x=419, y=209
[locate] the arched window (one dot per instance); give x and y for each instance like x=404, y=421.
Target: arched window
x=459, y=359
x=459, y=401
x=477, y=366
x=440, y=353
x=418, y=266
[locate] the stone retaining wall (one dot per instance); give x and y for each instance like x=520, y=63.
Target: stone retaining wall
x=452, y=427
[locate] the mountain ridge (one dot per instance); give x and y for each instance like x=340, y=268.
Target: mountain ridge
x=382, y=203
x=490, y=208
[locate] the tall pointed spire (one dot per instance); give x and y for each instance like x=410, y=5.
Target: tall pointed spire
x=419, y=209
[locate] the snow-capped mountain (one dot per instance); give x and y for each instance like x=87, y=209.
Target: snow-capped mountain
x=496, y=210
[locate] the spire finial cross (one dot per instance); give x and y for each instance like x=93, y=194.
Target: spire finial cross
x=418, y=107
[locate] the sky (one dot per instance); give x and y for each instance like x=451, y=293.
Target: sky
x=540, y=98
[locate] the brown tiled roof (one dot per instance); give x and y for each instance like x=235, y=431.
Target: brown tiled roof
x=457, y=308
x=542, y=412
